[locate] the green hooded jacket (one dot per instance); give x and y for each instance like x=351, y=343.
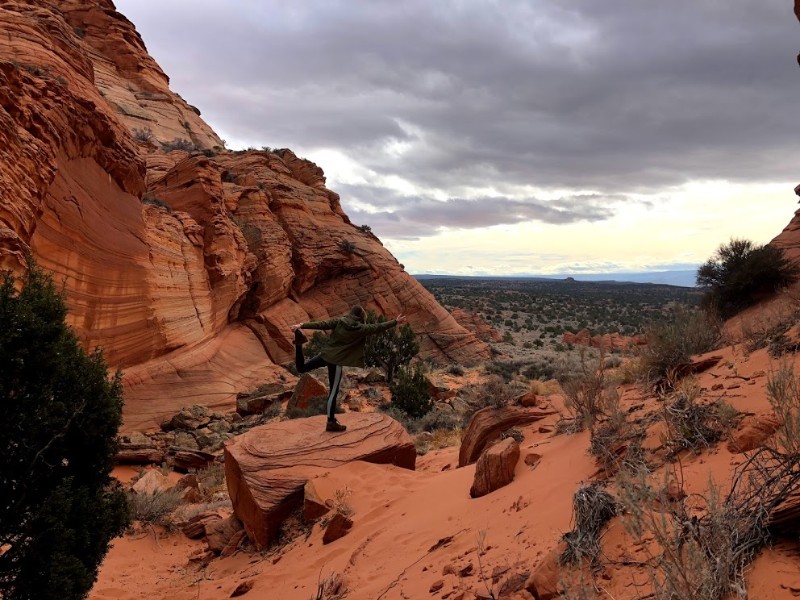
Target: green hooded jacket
x=347, y=339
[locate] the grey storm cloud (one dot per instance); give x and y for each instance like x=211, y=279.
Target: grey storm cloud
x=615, y=96
x=411, y=217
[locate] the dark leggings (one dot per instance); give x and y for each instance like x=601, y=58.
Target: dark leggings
x=334, y=376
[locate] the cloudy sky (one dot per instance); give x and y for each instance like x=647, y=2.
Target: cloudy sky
x=489, y=137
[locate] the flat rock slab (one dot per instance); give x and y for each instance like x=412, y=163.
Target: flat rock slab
x=267, y=467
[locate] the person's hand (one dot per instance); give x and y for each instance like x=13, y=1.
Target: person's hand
x=295, y=327
x=401, y=319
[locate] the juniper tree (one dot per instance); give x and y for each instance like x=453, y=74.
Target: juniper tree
x=60, y=413
x=390, y=349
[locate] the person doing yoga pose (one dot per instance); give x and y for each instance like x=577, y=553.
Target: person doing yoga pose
x=345, y=348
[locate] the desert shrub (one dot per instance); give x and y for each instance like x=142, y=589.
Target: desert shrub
x=153, y=201
x=783, y=391
x=456, y=370
x=584, y=397
x=410, y=391
x=60, y=414
x=156, y=508
x=364, y=228
x=347, y=246
x=507, y=370
x=391, y=348
x=690, y=425
x=316, y=344
x=592, y=508
x=671, y=344
x=440, y=419
x=705, y=545
x=493, y=392
x=740, y=273
x=143, y=135
x=410, y=424
x=178, y=144
x=332, y=587
x=780, y=344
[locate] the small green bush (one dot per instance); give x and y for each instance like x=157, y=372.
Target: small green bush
x=740, y=273
x=410, y=391
x=390, y=349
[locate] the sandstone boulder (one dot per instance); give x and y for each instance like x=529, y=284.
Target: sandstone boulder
x=267, y=468
x=544, y=582
x=307, y=388
x=152, y=482
x=753, y=432
x=253, y=403
x=495, y=467
x=489, y=423
x=339, y=526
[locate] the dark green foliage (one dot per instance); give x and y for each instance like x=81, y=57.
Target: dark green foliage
x=60, y=415
x=316, y=344
x=347, y=246
x=390, y=349
x=364, y=228
x=153, y=201
x=410, y=391
x=740, y=273
x=178, y=144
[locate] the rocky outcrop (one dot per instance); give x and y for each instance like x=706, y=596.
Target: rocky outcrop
x=495, y=467
x=607, y=341
x=753, y=432
x=266, y=469
x=187, y=267
x=488, y=424
x=476, y=324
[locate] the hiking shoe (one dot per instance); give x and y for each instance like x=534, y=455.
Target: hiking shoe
x=335, y=426
x=299, y=337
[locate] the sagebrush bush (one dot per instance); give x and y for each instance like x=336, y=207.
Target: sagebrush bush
x=671, y=344
x=391, y=348
x=155, y=508
x=740, y=273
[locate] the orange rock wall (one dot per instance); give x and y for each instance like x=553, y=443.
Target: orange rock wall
x=227, y=246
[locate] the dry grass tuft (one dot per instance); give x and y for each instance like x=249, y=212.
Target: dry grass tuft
x=592, y=508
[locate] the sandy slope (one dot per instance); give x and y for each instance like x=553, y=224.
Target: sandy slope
x=395, y=549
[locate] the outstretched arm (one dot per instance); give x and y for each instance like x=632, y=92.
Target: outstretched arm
x=316, y=325
x=378, y=327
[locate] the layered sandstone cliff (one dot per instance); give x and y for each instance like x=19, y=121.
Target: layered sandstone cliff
x=186, y=266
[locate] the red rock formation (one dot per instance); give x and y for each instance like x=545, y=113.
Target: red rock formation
x=488, y=424
x=476, y=324
x=192, y=291
x=495, y=467
x=266, y=469
x=608, y=341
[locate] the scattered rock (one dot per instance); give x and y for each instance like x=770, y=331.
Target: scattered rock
x=198, y=525
x=307, y=388
x=138, y=456
x=191, y=417
x=242, y=588
x=338, y=527
x=436, y=586
x=314, y=506
x=753, y=432
x=528, y=400
x=252, y=403
x=495, y=467
x=219, y=533
x=466, y=570
x=267, y=468
x=184, y=439
x=488, y=424
x=374, y=376
x=152, y=482
x=184, y=460
x=544, y=581
x=717, y=386
x=532, y=459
